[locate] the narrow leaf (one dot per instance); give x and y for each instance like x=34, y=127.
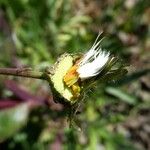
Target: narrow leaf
x=121, y=95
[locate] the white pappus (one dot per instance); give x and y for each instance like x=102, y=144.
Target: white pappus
x=93, y=61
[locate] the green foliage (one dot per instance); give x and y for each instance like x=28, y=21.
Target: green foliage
x=121, y=95
x=34, y=33
x=11, y=120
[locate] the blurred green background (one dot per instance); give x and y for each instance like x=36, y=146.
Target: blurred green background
x=115, y=116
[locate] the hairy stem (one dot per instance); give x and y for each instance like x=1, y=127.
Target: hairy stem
x=22, y=72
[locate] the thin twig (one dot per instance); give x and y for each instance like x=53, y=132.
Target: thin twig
x=22, y=72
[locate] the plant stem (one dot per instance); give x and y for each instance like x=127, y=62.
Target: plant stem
x=22, y=72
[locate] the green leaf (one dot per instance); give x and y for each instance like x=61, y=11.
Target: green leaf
x=13, y=119
x=121, y=95
x=132, y=77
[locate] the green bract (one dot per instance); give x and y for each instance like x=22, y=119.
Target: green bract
x=64, y=63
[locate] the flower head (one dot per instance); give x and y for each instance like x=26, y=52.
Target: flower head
x=71, y=72
x=93, y=61
x=88, y=66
